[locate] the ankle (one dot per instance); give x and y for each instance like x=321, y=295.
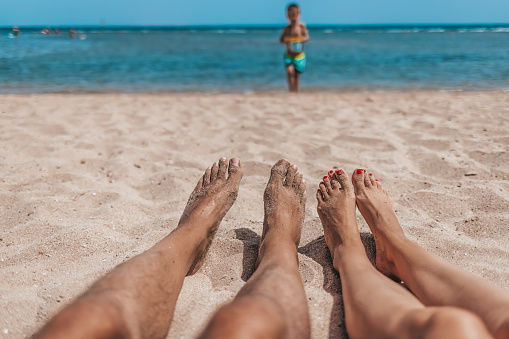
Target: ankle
x=346, y=251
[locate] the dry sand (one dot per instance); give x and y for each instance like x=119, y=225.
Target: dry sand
x=88, y=181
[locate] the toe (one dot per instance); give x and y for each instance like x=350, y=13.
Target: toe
x=327, y=183
x=235, y=171
x=213, y=172
x=290, y=175
x=358, y=180
x=206, y=177
x=333, y=181
x=372, y=179
x=342, y=178
x=297, y=180
x=367, y=180
x=278, y=171
x=223, y=168
x=323, y=189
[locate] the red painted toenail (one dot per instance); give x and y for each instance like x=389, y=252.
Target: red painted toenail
x=376, y=179
x=364, y=171
x=331, y=171
x=325, y=177
x=321, y=183
x=338, y=172
x=359, y=170
x=370, y=173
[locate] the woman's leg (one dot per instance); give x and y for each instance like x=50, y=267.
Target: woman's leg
x=375, y=306
x=273, y=303
x=137, y=298
x=433, y=280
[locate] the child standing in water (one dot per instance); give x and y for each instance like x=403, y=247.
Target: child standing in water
x=294, y=36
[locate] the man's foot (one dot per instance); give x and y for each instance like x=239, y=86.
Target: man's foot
x=285, y=201
x=336, y=209
x=377, y=208
x=212, y=197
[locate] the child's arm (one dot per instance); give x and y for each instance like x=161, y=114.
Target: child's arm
x=305, y=33
x=282, y=37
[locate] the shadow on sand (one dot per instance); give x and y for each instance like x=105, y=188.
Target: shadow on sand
x=318, y=251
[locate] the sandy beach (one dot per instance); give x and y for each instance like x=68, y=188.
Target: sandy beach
x=91, y=180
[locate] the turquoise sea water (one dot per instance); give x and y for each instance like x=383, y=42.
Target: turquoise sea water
x=250, y=59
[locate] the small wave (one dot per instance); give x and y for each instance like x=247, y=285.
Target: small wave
x=436, y=30
x=328, y=31
x=501, y=30
x=237, y=31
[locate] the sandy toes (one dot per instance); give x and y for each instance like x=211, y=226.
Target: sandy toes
x=376, y=207
x=336, y=209
x=284, y=203
x=212, y=197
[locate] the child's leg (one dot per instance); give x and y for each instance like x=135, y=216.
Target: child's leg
x=296, y=81
x=375, y=306
x=290, y=75
x=433, y=280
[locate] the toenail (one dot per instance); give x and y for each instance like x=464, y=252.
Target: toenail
x=324, y=177
x=339, y=172
x=321, y=183
x=235, y=162
x=223, y=159
x=359, y=170
x=364, y=171
x=376, y=179
x=370, y=173
x=331, y=171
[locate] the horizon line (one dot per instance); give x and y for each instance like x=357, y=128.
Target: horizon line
x=267, y=26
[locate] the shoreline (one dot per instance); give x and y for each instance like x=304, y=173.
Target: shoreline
x=304, y=91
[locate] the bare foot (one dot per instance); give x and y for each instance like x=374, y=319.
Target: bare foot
x=336, y=209
x=285, y=201
x=377, y=208
x=212, y=197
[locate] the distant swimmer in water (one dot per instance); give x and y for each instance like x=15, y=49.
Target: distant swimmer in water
x=15, y=32
x=72, y=33
x=294, y=36
x=46, y=31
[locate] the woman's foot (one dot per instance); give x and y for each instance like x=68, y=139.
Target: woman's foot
x=212, y=197
x=284, y=202
x=376, y=207
x=336, y=209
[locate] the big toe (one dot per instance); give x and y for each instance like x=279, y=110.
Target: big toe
x=343, y=180
x=358, y=180
x=278, y=171
x=235, y=172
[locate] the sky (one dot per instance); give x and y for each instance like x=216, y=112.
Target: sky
x=239, y=12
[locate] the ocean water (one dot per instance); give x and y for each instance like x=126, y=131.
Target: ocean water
x=251, y=59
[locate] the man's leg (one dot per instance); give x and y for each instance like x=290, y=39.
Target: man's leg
x=290, y=76
x=433, y=280
x=375, y=306
x=137, y=298
x=273, y=303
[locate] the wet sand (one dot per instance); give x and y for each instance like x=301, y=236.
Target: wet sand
x=90, y=180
